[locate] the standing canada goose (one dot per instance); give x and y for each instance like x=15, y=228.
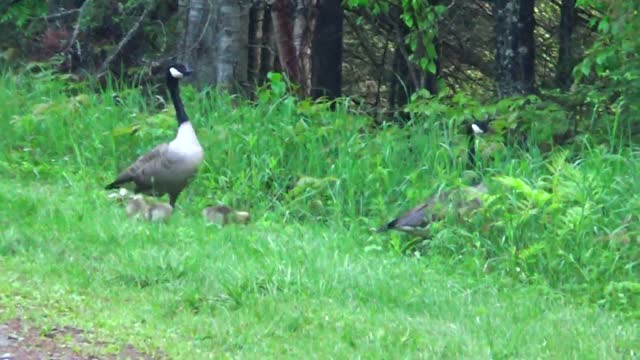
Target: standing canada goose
x=222, y=215
x=167, y=168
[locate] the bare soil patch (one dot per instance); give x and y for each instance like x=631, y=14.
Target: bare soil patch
x=19, y=341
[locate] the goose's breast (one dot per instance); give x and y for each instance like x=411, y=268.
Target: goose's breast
x=185, y=162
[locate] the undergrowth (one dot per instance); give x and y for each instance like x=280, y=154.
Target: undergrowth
x=567, y=218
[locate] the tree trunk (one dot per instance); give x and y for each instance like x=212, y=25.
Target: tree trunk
x=294, y=29
x=303, y=31
x=566, y=61
x=326, y=69
x=256, y=20
x=282, y=16
x=54, y=7
x=200, y=41
x=232, y=43
x=526, y=47
x=515, y=49
x=267, y=53
x=182, y=29
x=400, y=85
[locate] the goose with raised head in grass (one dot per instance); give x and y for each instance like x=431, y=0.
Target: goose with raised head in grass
x=461, y=201
x=168, y=168
x=474, y=129
x=223, y=215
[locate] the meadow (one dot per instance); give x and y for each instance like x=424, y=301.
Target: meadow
x=548, y=268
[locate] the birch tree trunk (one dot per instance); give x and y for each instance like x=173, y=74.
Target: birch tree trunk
x=232, y=43
x=303, y=31
x=200, y=40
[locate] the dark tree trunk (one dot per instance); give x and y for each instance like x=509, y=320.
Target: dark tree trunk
x=526, y=47
x=256, y=19
x=400, y=85
x=515, y=50
x=267, y=53
x=431, y=83
x=326, y=58
x=427, y=80
x=54, y=7
x=566, y=60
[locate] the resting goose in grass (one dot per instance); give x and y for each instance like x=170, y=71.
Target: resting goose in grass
x=460, y=201
x=167, y=168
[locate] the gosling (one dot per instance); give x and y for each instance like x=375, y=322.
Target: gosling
x=223, y=215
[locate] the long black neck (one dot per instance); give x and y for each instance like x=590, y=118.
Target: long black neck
x=471, y=152
x=174, y=90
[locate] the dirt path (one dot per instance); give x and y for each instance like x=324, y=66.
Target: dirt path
x=19, y=341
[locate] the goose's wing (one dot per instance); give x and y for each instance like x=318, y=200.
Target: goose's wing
x=143, y=168
x=413, y=218
x=420, y=216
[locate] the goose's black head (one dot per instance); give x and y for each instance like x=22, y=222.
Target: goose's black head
x=178, y=71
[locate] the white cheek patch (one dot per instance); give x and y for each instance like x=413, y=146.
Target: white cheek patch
x=476, y=129
x=175, y=73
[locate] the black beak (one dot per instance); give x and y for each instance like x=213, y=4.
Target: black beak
x=187, y=71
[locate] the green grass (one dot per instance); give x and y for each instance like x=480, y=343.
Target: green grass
x=548, y=268
x=196, y=291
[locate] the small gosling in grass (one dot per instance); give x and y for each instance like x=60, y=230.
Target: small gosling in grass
x=137, y=207
x=223, y=215
x=159, y=212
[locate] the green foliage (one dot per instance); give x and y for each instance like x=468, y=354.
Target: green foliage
x=610, y=72
x=562, y=224
x=511, y=118
x=421, y=19
x=21, y=13
x=548, y=219
x=184, y=290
